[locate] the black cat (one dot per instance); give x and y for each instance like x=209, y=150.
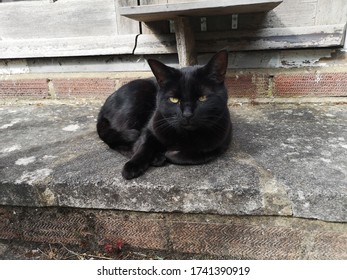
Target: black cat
x=181, y=116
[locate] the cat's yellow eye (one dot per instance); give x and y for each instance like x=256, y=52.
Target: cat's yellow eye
x=174, y=100
x=203, y=98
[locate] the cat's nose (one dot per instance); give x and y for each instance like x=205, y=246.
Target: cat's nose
x=187, y=112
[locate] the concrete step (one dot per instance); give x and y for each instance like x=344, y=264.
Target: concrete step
x=287, y=161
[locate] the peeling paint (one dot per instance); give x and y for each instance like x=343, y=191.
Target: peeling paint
x=318, y=78
x=306, y=58
x=13, y=66
x=51, y=89
x=336, y=56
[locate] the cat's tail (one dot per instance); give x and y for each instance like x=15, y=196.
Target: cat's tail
x=116, y=140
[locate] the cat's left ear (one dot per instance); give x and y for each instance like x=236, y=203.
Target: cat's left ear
x=216, y=68
x=161, y=72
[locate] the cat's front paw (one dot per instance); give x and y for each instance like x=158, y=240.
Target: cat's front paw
x=132, y=170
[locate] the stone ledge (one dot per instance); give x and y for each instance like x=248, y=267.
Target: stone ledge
x=286, y=160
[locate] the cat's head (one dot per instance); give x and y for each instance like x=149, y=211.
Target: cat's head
x=193, y=97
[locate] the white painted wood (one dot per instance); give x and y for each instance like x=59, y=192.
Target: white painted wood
x=263, y=39
x=273, y=38
x=64, y=18
x=61, y=47
x=148, y=13
x=157, y=27
x=95, y=27
x=65, y=28
x=125, y=25
x=290, y=13
x=156, y=44
x=331, y=12
x=98, y=65
x=92, y=64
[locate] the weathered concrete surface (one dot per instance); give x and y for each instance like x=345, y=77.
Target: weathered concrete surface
x=285, y=160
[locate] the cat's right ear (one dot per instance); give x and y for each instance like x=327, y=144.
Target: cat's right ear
x=161, y=72
x=216, y=68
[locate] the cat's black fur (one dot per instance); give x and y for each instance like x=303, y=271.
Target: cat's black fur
x=181, y=116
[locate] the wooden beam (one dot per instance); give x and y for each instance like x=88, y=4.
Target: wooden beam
x=185, y=40
x=274, y=38
x=262, y=39
x=61, y=47
x=148, y=13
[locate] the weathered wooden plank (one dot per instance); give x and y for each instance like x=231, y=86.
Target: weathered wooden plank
x=314, y=58
x=263, y=39
x=331, y=12
x=125, y=25
x=65, y=28
x=63, y=18
x=291, y=13
x=156, y=44
x=154, y=27
x=273, y=38
x=185, y=40
x=61, y=47
x=147, y=13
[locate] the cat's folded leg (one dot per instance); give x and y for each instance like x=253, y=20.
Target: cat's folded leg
x=146, y=153
x=159, y=160
x=137, y=166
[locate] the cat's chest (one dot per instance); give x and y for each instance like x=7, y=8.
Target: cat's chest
x=173, y=138
x=186, y=140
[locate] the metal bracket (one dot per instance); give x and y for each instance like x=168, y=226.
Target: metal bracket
x=234, y=21
x=203, y=24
